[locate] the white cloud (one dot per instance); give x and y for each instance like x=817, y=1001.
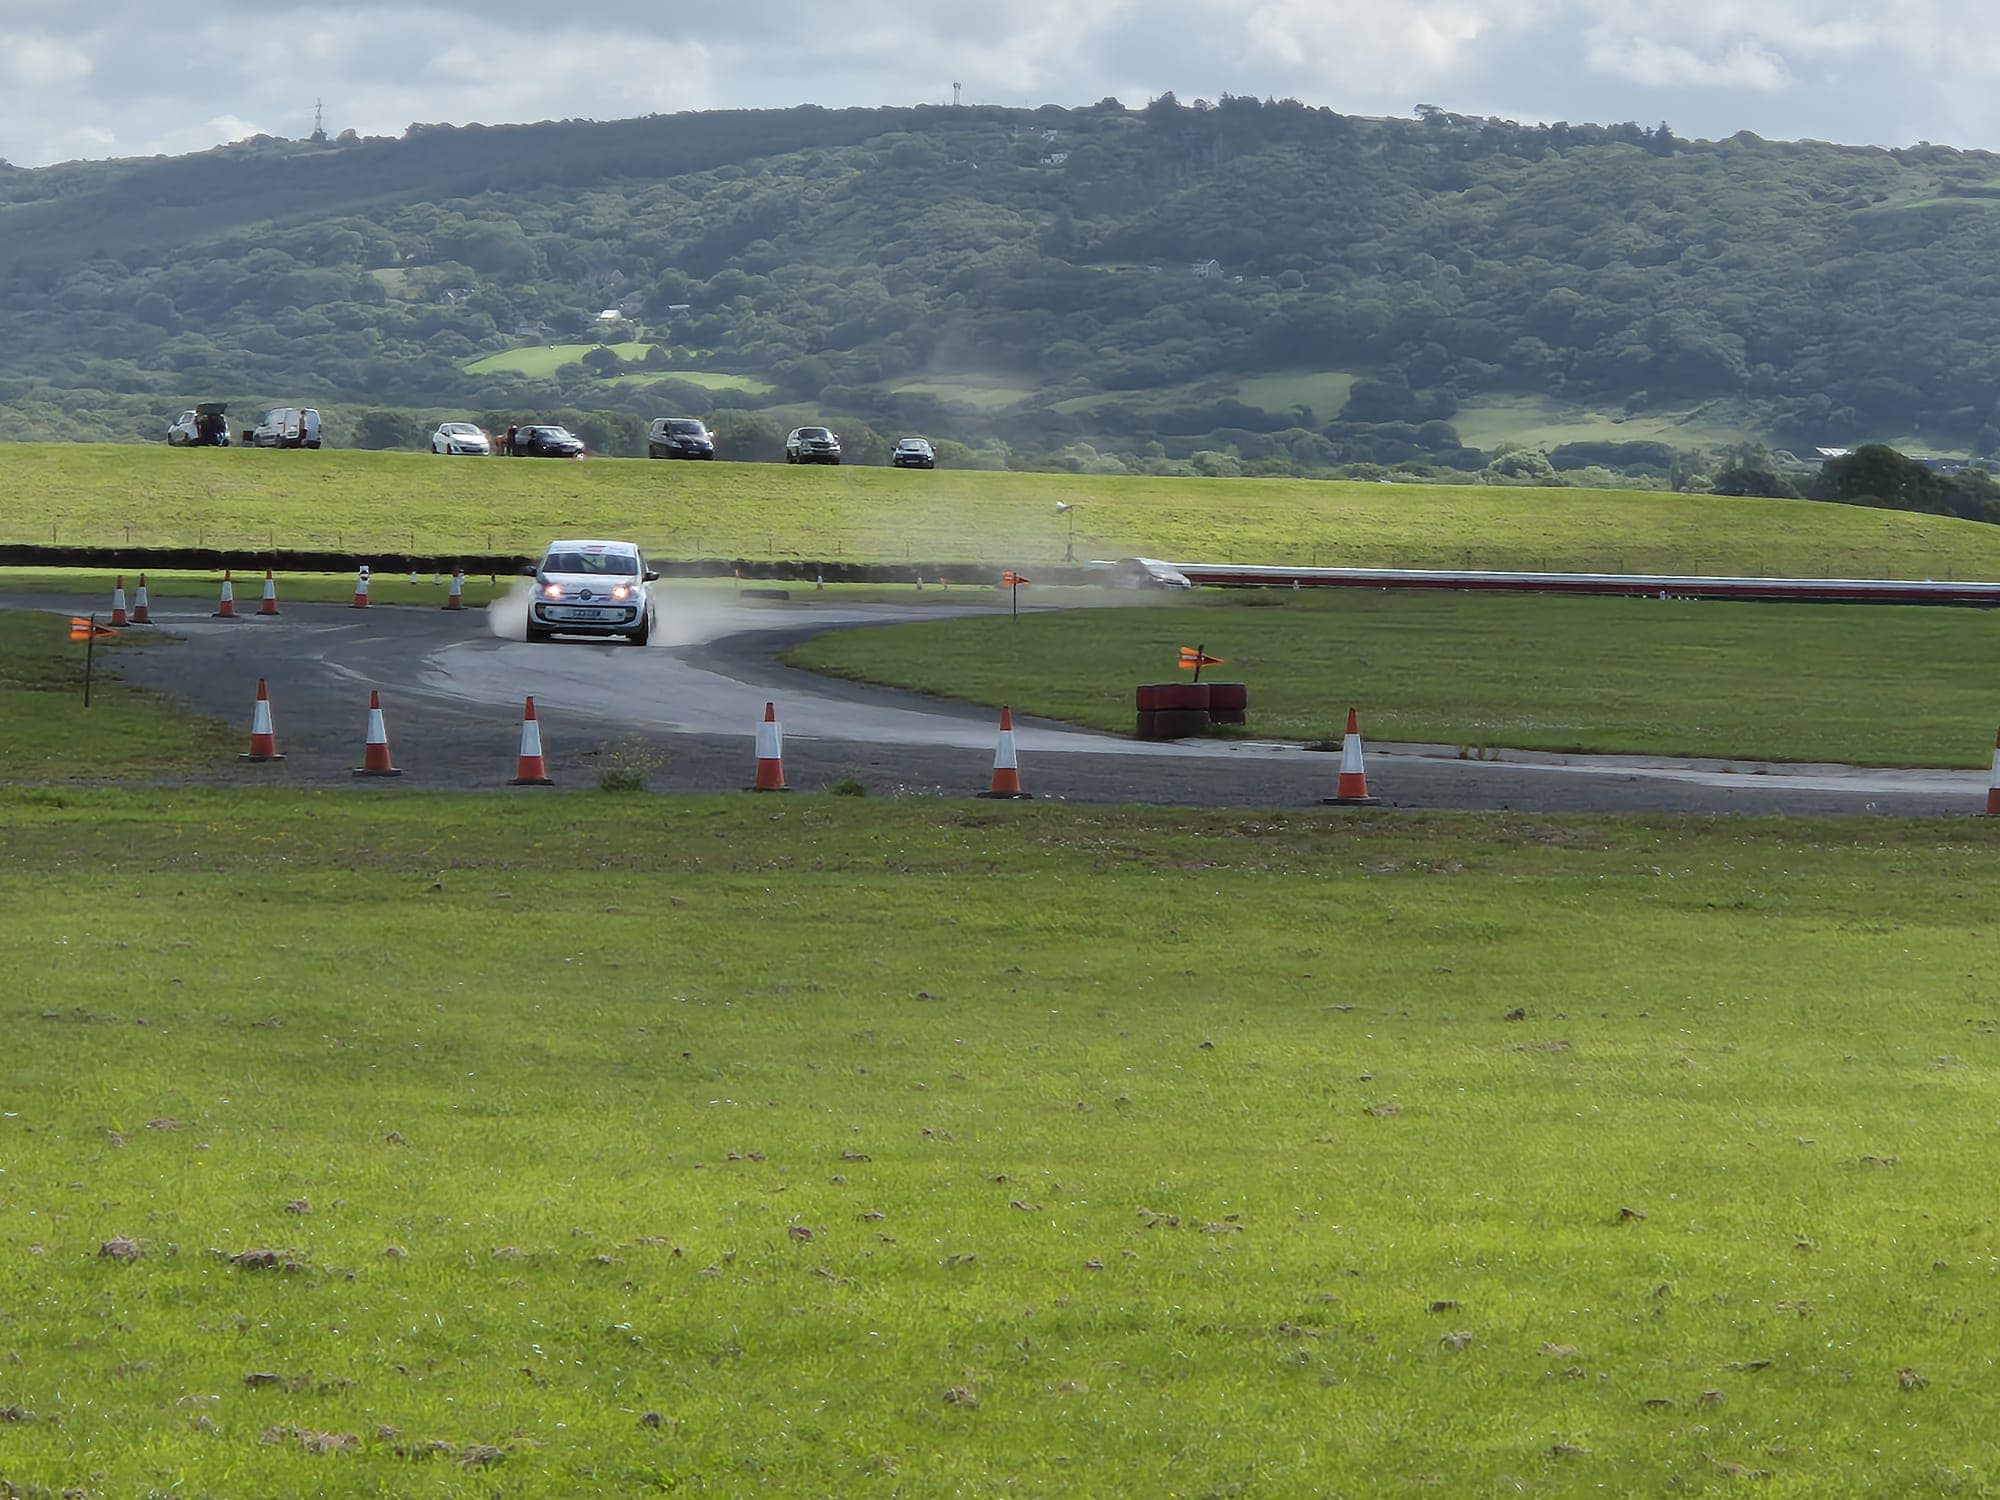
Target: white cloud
x=1658, y=64
x=37, y=61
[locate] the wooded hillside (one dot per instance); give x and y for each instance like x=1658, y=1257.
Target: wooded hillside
x=1026, y=283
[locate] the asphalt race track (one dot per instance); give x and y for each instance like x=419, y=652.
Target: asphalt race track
x=684, y=709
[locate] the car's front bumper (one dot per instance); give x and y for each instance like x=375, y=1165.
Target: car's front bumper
x=586, y=619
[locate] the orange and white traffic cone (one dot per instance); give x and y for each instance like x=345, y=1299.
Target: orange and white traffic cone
x=1352, y=788
x=118, y=615
x=263, y=741
x=361, y=588
x=1993, y=783
x=770, y=753
x=375, y=758
x=142, y=612
x=225, y=604
x=1006, y=765
x=456, y=598
x=531, y=769
x=270, y=603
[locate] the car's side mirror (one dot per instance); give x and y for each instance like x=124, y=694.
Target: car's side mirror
x=531, y=572
x=652, y=575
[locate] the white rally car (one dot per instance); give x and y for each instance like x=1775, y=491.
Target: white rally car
x=592, y=588
x=460, y=437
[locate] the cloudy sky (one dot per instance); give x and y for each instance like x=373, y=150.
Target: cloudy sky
x=136, y=77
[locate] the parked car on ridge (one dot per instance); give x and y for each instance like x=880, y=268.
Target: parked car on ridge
x=914, y=453
x=204, y=426
x=286, y=427
x=679, y=437
x=460, y=438
x=812, y=445
x=543, y=440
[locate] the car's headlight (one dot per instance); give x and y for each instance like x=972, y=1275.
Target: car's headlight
x=553, y=590
x=622, y=591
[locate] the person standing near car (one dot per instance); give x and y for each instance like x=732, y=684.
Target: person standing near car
x=508, y=441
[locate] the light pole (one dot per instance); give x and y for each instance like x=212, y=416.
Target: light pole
x=1064, y=508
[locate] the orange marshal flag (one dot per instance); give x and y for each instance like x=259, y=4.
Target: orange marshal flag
x=1193, y=659
x=81, y=629
x=1011, y=580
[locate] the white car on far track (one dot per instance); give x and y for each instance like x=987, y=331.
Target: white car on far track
x=460, y=437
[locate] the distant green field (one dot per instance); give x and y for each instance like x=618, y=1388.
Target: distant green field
x=979, y=392
x=907, y=1148
x=708, y=380
x=545, y=359
x=1541, y=422
x=1325, y=391
x=1879, y=686
x=398, y=502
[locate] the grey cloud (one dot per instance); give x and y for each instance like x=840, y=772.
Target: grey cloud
x=136, y=78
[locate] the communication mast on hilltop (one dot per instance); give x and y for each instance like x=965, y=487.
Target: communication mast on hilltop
x=955, y=87
x=319, y=122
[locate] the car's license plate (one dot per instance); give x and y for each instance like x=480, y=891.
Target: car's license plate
x=581, y=615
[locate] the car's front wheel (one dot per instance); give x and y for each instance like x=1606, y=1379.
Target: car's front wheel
x=644, y=633
x=536, y=634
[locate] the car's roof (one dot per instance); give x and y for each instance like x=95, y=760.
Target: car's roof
x=590, y=545
x=905, y=442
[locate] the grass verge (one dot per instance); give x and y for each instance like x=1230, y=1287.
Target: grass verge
x=47, y=734
x=415, y=503
x=885, y=1149
x=1876, y=686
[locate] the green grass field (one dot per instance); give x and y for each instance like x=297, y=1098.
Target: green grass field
x=1541, y=421
x=46, y=733
x=546, y=359
x=884, y=1148
x=110, y=494
x=1882, y=686
x=293, y=588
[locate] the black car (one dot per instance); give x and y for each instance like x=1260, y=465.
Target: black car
x=914, y=453
x=546, y=442
x=678, y=437
x=811, y=445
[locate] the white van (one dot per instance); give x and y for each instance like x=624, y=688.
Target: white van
x=286, y=427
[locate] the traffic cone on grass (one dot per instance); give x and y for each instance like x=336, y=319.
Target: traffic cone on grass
x=1352, y=788
x=375, y=757
x=1006, y=765
x=455, y=599
x=225, y=604
x=269, y=606
x=142, y=613
x=361, y=588
x=1993, y=783
x=770, y=753
x=531, y=769
x=263, y=741
x=118, y=615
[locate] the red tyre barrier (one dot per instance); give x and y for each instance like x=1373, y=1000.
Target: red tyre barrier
x=1181, y=696
x=1227, y=696
x=1174, y=724
x=1149, y=696
x=1229, y=716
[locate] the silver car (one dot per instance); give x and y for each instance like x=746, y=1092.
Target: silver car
x=592, y=588
x=460, y=437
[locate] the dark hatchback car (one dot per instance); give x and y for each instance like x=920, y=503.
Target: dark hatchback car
x=812, y=445
x=679, y=437
x=914, y=453
x=542, y=441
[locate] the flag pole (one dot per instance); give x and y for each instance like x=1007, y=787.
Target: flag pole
x=89, y=659
x=1200, y=654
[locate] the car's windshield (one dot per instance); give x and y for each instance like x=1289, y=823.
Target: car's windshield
x=913, y=443
x=557, y=433
x=611, y=564
x=460, y=429
x=685, y=429
x=814, y=432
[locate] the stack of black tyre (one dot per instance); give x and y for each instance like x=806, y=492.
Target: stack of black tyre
x=1179, y=710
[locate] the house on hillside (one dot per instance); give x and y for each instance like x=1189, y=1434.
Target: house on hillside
x=1055, y=158
x=452, y=296
x=1207, y=270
